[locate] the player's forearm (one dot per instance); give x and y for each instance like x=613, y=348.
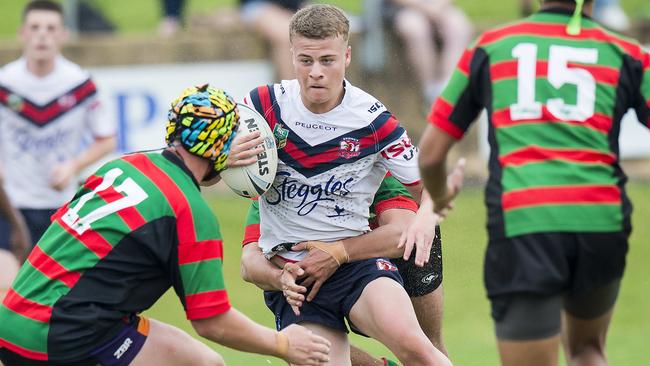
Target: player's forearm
x=256, y=269
x=380, y=242
x=233, y=329
x=98, y=149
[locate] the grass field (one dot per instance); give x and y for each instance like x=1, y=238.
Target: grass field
x=141, y=16
x=467, y=326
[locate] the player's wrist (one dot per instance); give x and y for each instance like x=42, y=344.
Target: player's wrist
x=335, y=249
x=281, y=345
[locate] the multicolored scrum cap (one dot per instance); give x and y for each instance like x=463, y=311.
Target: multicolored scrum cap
x=203, y=119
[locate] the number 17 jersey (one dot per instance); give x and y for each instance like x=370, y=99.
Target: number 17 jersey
x=554, y=103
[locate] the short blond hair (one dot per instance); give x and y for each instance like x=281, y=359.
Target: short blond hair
x=319, y=21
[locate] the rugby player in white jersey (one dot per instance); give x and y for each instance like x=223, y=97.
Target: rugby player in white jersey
x=335, y=145
x=48, y=108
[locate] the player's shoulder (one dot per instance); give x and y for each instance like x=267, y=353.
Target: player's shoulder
x=13, y=70
x=362, y=104
x=70, y=70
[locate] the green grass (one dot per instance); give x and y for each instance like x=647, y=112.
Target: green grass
x=467, y=325
x=141, y=16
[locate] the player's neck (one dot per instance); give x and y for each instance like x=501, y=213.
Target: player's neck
x=586, y=8
x=320, y=108
x=196, y=165
x=40, y=68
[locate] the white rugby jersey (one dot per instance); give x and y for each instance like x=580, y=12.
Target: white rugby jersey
x=43, y=122
x=330, y=165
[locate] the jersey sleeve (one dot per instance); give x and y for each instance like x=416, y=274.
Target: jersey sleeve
x=400, y=158
x=252, y=229
x=459, y=104
x=201, y=289
x=392, y=194
x=642, y=104
x=95, y=116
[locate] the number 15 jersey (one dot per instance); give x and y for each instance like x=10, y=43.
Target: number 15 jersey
x=555, y=104
x=330, y=165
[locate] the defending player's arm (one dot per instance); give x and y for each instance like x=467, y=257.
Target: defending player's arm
x=450, y=117
x=199, y=284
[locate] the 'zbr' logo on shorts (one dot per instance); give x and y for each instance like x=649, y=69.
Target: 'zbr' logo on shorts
x=384, y=265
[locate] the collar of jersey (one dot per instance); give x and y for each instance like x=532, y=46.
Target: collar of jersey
x=177, y=161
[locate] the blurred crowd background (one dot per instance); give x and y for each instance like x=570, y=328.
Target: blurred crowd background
x=142, y=52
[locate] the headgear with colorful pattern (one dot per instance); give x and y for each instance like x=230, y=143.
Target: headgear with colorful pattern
x=204, y=120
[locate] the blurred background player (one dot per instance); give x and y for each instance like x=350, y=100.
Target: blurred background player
x=558, y=213
x=128, y=235
x=336, y=143
x=172, y=17
x=48, y=110
x=607, y=12
x=14, y=227
x=270, y=19
x=392, y=208
x=434, y=33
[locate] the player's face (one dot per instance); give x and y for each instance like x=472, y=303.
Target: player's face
x=42, y=34
x=320, y=66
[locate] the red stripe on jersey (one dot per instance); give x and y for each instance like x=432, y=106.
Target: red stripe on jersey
x=465, y=61
x=51, y=268
x=558, y=31
x=599, y=122
x=397, y=202
x=33, y=355
x=251, y=234
x=174, y=195
x=206, y=304
x=508, y=70
x=565, y=195
x=439, y=117
x=27, y=308
x=130, y=215
x=199, y=251
x=42, y=115
x=535, y=154
x=267, y=105
x=90, y=238
x=372, y=139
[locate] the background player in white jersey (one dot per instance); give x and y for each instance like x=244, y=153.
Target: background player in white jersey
x=48, y=109
x=335, y=144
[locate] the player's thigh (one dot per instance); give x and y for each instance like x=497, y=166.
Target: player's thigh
x=376, y=313
x=429, y=310
x=340, y=347
x=167, y=345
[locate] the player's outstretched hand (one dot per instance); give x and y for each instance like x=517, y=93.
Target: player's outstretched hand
x=419, y=235
x=306, y=347
x=443, y=205
x=244, y=149
x=319, y=265
x=293, y=292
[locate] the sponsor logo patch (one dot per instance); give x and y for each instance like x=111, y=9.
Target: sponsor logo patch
x=281, y=135
x=349, y=147
x=429, y=278
x=384, y=265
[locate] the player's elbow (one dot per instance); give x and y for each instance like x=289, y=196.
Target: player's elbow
x=207, y=328
x=431, y=161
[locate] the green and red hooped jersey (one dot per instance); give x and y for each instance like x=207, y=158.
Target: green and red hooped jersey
x=390, y=194
x=136, y=227
x=554, y=104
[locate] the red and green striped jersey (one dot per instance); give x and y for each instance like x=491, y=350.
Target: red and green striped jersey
x=390, y=194
x=554, y=104
x=135, y=228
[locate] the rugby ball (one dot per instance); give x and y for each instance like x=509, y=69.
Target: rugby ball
x=253, y=180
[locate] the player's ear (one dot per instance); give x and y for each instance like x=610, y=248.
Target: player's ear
x=348, y=56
